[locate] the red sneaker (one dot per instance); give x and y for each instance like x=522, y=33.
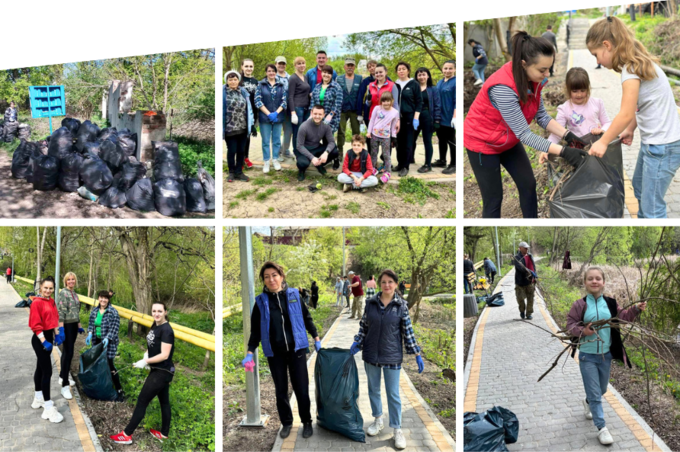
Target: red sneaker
x=121, y=438
x=248, y=163
x=158, y=435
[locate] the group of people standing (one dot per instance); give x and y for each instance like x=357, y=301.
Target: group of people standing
x=57, y=323
x=311, y=107
x=280, y=323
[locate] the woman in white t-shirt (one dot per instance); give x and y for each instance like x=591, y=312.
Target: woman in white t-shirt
x=647, y=103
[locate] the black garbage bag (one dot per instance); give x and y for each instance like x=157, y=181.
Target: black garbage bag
x=22, y=304
x=21, y=159
x=45, y=173
x=93, y=147
x=35, y=152
x=337, y=391
x=69, y=175
x=94, y=374
x=166, y=163
x=106, y=132
x=510, y=424
x=71, y=124
x=24, y=132
x=128, y=144
x=61, y=143
x=483, y=432
x=140, y=196
x=208, y=183
x=132, y=171
x=495, y=300
x=113, y=197
x=169, y=197
x=2, y=130
x=10, y=130
x=112, y=154
x=195, y=199
x=95, y=174
x=87, y=132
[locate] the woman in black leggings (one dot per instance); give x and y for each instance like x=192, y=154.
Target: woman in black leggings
x=68, y=306
x=160, y=347
x=44, y=322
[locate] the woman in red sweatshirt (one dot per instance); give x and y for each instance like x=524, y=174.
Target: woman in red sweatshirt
x=44, y=322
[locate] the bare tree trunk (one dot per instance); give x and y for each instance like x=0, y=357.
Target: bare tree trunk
x=498, y=30
x=556, y=236
x=89, y=275
x=599, y=240
x=137, y=251
x=37, y=252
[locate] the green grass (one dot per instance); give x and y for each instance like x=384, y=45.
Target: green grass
x=266, y=194
x=271, y=209
x=261, y=180
x=413, y=191
x=353, y=207
x=243, y=194
x=384, y=205
x=233, y=204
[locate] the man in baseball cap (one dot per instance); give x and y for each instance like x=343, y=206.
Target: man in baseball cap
x=525, y=280
x=357, y=295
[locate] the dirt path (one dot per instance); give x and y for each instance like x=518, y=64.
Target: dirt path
x=19, y=200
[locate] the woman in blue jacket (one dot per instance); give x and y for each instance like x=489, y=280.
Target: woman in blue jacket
x=446, y=134
x=237, y=114
x=271, y=98
x=280, y=322
x=329, y=94
x=481, y=61
x=430, y=115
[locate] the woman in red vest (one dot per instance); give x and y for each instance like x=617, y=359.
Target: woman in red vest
x=497, y=126
x=379, y=86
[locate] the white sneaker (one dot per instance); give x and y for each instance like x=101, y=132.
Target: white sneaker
x=399, y=440
x=277, y=165
x=52, y=415
x=70, y=381
x=586, y=408
x=605, y=437
x=282, y=158
x=66, y=392
x=38, y=403
x=478, y=82
x=375, y=427
x=265, y=169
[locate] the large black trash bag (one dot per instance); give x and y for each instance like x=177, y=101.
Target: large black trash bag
x=21, y=159
x=93, y=147
x=195, y=199
x=140, y=196
x=2, y=130
x=106, y=132
x=10, y=131
x=61, y=143
x=35, y=152
x=208, y=183
x=169, y=197
x=113, y=197
x=483, y=432
x=495, y=300
x=132, y=171
x=112, y=154
x=45, y=173
x=166, y=163
x=94, y=374
x=337, y=391
x=510, y=424
x=128, y=143
x=24, y=132
x=69, y=175
x=87, y=132
x=71, y=124
x=95, y=174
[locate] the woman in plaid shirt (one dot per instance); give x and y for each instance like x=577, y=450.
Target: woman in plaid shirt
x=384, y=327
x=103, y=328
x=370, y=287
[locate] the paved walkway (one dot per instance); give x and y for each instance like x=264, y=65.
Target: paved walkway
x=510, y=355
x=21, y=427
x=422, y=430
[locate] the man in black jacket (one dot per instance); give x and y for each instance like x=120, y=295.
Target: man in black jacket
x=525, y=280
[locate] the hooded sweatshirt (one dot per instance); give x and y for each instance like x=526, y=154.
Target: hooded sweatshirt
x=43, y=316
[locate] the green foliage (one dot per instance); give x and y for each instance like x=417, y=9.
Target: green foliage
x=266, y=194
x=414, y=190
x=439, y=345
x=353, y=207
x=265, y=53
x=192, y=151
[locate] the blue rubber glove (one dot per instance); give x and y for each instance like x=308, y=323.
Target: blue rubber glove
x=105, y=342
x=534, y=274
x=47, y=346
x=81, y=331
x=247, y=359
x=88, y=340
x=317, y=345
x=354, y=349
x=421, y=364
x=59, y=338
x=416, y=123
x=272, y=116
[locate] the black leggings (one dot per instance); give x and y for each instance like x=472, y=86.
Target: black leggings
x=447, y=139
x=294, y=362
x=427, y=127
x=112, y=368
x=236, y=146
x=157, y=384
x=70, y=333
x=487, y=169
x=405, y=141
x=43, y=370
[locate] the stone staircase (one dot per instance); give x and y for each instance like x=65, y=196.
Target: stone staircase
x=578, y=31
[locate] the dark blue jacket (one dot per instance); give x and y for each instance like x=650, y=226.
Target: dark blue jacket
x=349, y=98
x=447, y=93
x=489, y=267
x=523, y=276
x=294, y=313
x=383, y=343
x=263, y=96
x=478, y=50
x=435, y=103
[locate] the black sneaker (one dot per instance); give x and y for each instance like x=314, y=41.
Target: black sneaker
x=301, y=176
x=230, y=177
x=403, y=172
x=285, y=431
x=120, y=397
x=321, y=169
x=521, y=314
x=336, y=164
x=450, y=170
x=397, y=168
x=307, y=430
x=439, y=163
x=242, y=177
x=424, y=169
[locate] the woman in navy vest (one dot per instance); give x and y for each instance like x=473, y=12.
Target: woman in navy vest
x=278, y=321
x=384, y=327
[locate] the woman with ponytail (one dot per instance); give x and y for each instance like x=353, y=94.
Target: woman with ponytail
x=647, y=103
x=497, y=126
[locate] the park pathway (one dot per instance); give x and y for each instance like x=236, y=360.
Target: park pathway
x=21, y=427
x=422, y=430
x=606, y=85
x=508, y=356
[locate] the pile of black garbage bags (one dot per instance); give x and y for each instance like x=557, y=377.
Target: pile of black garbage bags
x=12, y=130
x=100, y=165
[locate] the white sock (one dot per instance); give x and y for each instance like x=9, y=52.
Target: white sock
x=49, y=404
x=38, y=395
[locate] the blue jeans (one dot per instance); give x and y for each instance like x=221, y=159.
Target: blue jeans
x=270, y=133
x=654, y=172
x=478, y=70
x=467, y=285
x=392, y=389
x=595, y=373
x=302, y=114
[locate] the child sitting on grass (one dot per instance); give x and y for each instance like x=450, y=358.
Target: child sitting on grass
x=383, y=132
x=581, y=114
x=357, y=167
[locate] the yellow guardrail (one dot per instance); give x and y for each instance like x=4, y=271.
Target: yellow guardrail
x=195, y=337
x=479, y=264
x=226, y=312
